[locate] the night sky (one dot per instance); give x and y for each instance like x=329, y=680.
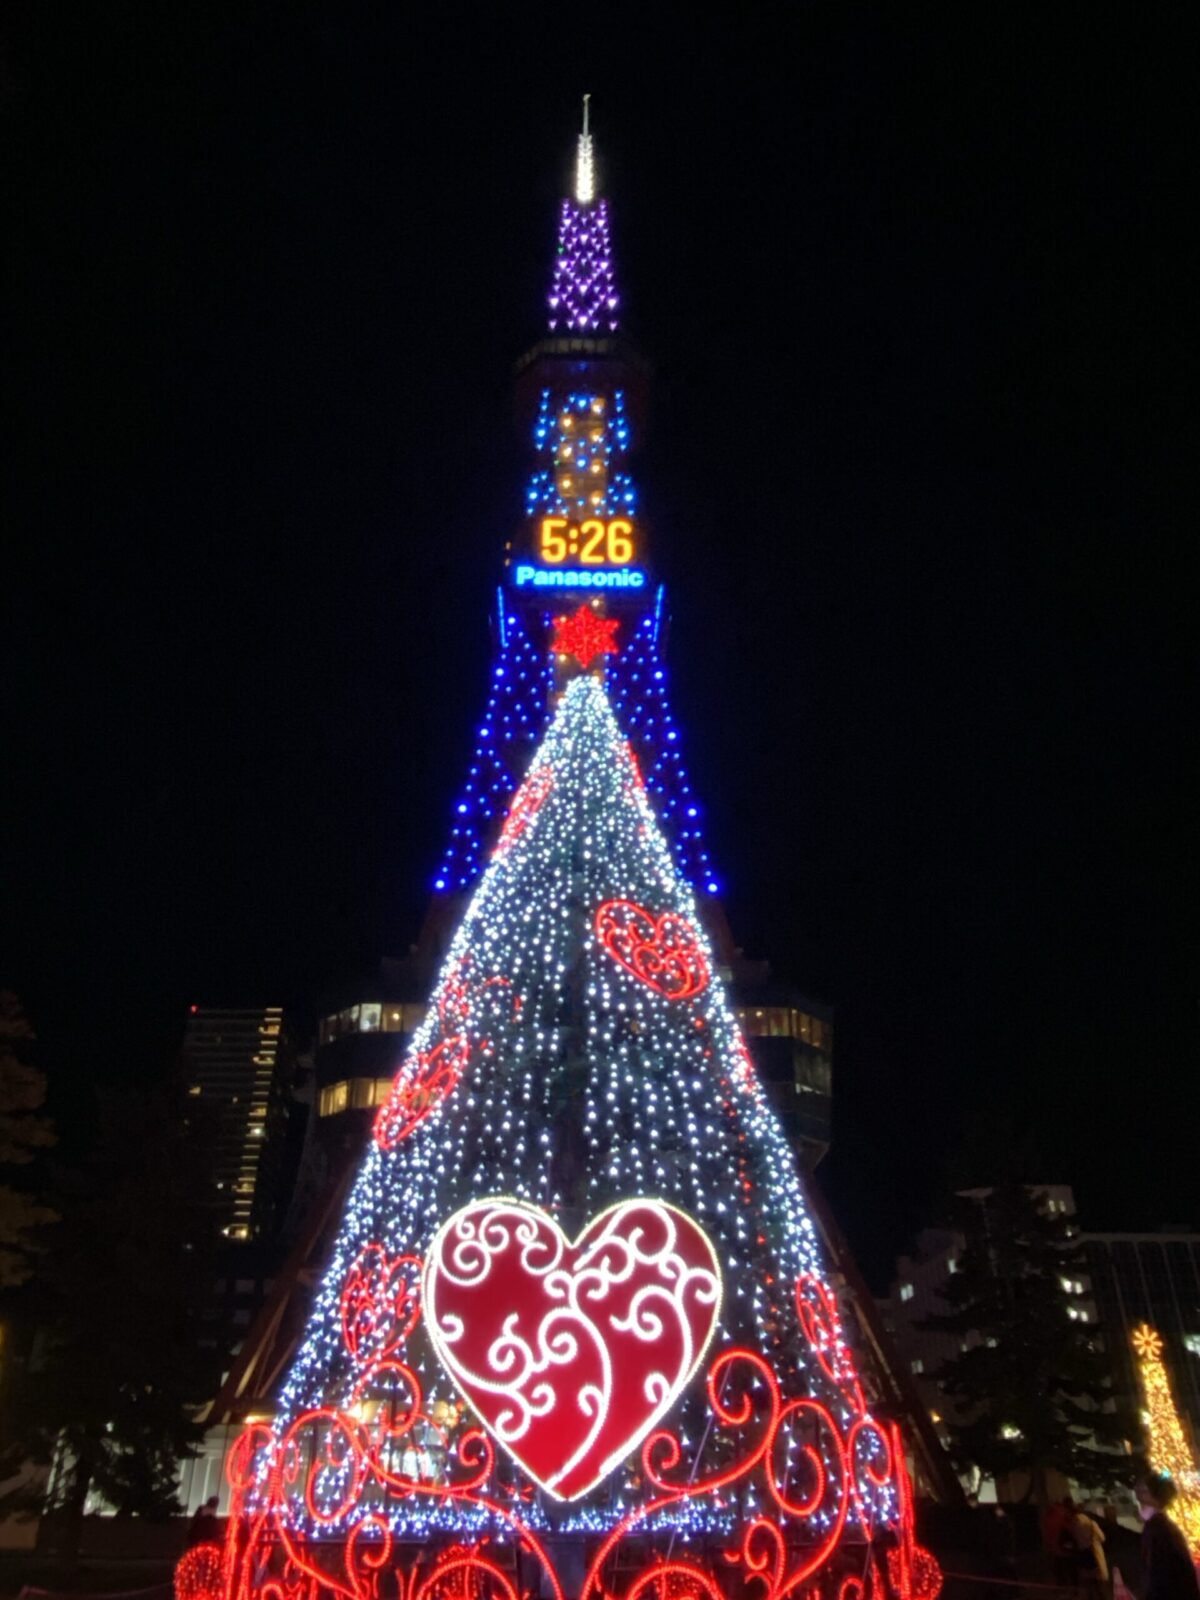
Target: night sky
x=270, y=269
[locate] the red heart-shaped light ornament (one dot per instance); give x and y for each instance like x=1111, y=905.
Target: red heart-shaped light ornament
x=662, y=951
x=379, y=1302
x=570, y=1353
x=421, y=1085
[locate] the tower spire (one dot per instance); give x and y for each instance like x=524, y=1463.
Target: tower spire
x=585, y=167
x=583, y=297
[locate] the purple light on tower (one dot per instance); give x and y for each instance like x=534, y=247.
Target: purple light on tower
x=583, y=296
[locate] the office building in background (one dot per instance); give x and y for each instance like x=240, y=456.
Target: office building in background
x=239, y=1064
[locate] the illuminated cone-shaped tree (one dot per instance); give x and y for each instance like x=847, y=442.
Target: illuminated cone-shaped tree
x=1167, y=1446
x=577, y=1303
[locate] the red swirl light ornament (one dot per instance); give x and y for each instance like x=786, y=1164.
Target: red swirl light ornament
x=818, y=1314
x=420, y=1087
x=914, y=1571
x=311, y=1507
x=526, y=803
x=663, y=952
x=571, y=1352
x=635, y=767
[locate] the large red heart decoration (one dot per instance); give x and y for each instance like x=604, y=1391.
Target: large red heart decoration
x=570, y=1353
x=662, y=951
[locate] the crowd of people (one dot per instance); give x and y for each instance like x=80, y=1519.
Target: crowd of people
x=1076, y=1545
x=1166, y=1560
x=1079, y=1555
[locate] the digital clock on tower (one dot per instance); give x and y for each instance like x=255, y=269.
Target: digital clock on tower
x=594, y=542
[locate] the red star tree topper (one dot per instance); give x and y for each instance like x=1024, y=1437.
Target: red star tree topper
x=585, y=636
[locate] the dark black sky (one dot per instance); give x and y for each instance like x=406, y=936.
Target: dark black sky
x=272, y=266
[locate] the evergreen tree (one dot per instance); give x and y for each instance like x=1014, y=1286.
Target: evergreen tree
x=24, y=1131
x=1031, y=1385
x=109, y=1385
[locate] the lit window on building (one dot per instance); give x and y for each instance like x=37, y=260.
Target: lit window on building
x=358, y=1094
x=918, y=1366
x=334, y=1097
x=373, y=1016
x=906, y=1291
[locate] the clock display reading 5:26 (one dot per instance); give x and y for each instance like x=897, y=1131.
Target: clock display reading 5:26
x=594, y=543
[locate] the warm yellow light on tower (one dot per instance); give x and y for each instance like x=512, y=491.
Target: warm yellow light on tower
x=1166, y=1443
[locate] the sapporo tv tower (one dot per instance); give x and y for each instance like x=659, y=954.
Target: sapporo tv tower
x=575, y=1336
x=582, y=393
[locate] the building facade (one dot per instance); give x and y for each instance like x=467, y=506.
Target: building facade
x=360, y=1046
x=1131, y=1278
x=239, y=1064
x=1155, y=1278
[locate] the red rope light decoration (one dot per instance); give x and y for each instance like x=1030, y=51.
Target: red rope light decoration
x=526, y=803
x=635, y=768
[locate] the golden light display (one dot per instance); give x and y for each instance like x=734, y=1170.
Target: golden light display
x=1166, y=1443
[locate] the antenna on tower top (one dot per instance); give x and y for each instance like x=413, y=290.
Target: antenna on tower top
x=585, y=169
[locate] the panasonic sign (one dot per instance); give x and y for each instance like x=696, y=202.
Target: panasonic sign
x=530, y=577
